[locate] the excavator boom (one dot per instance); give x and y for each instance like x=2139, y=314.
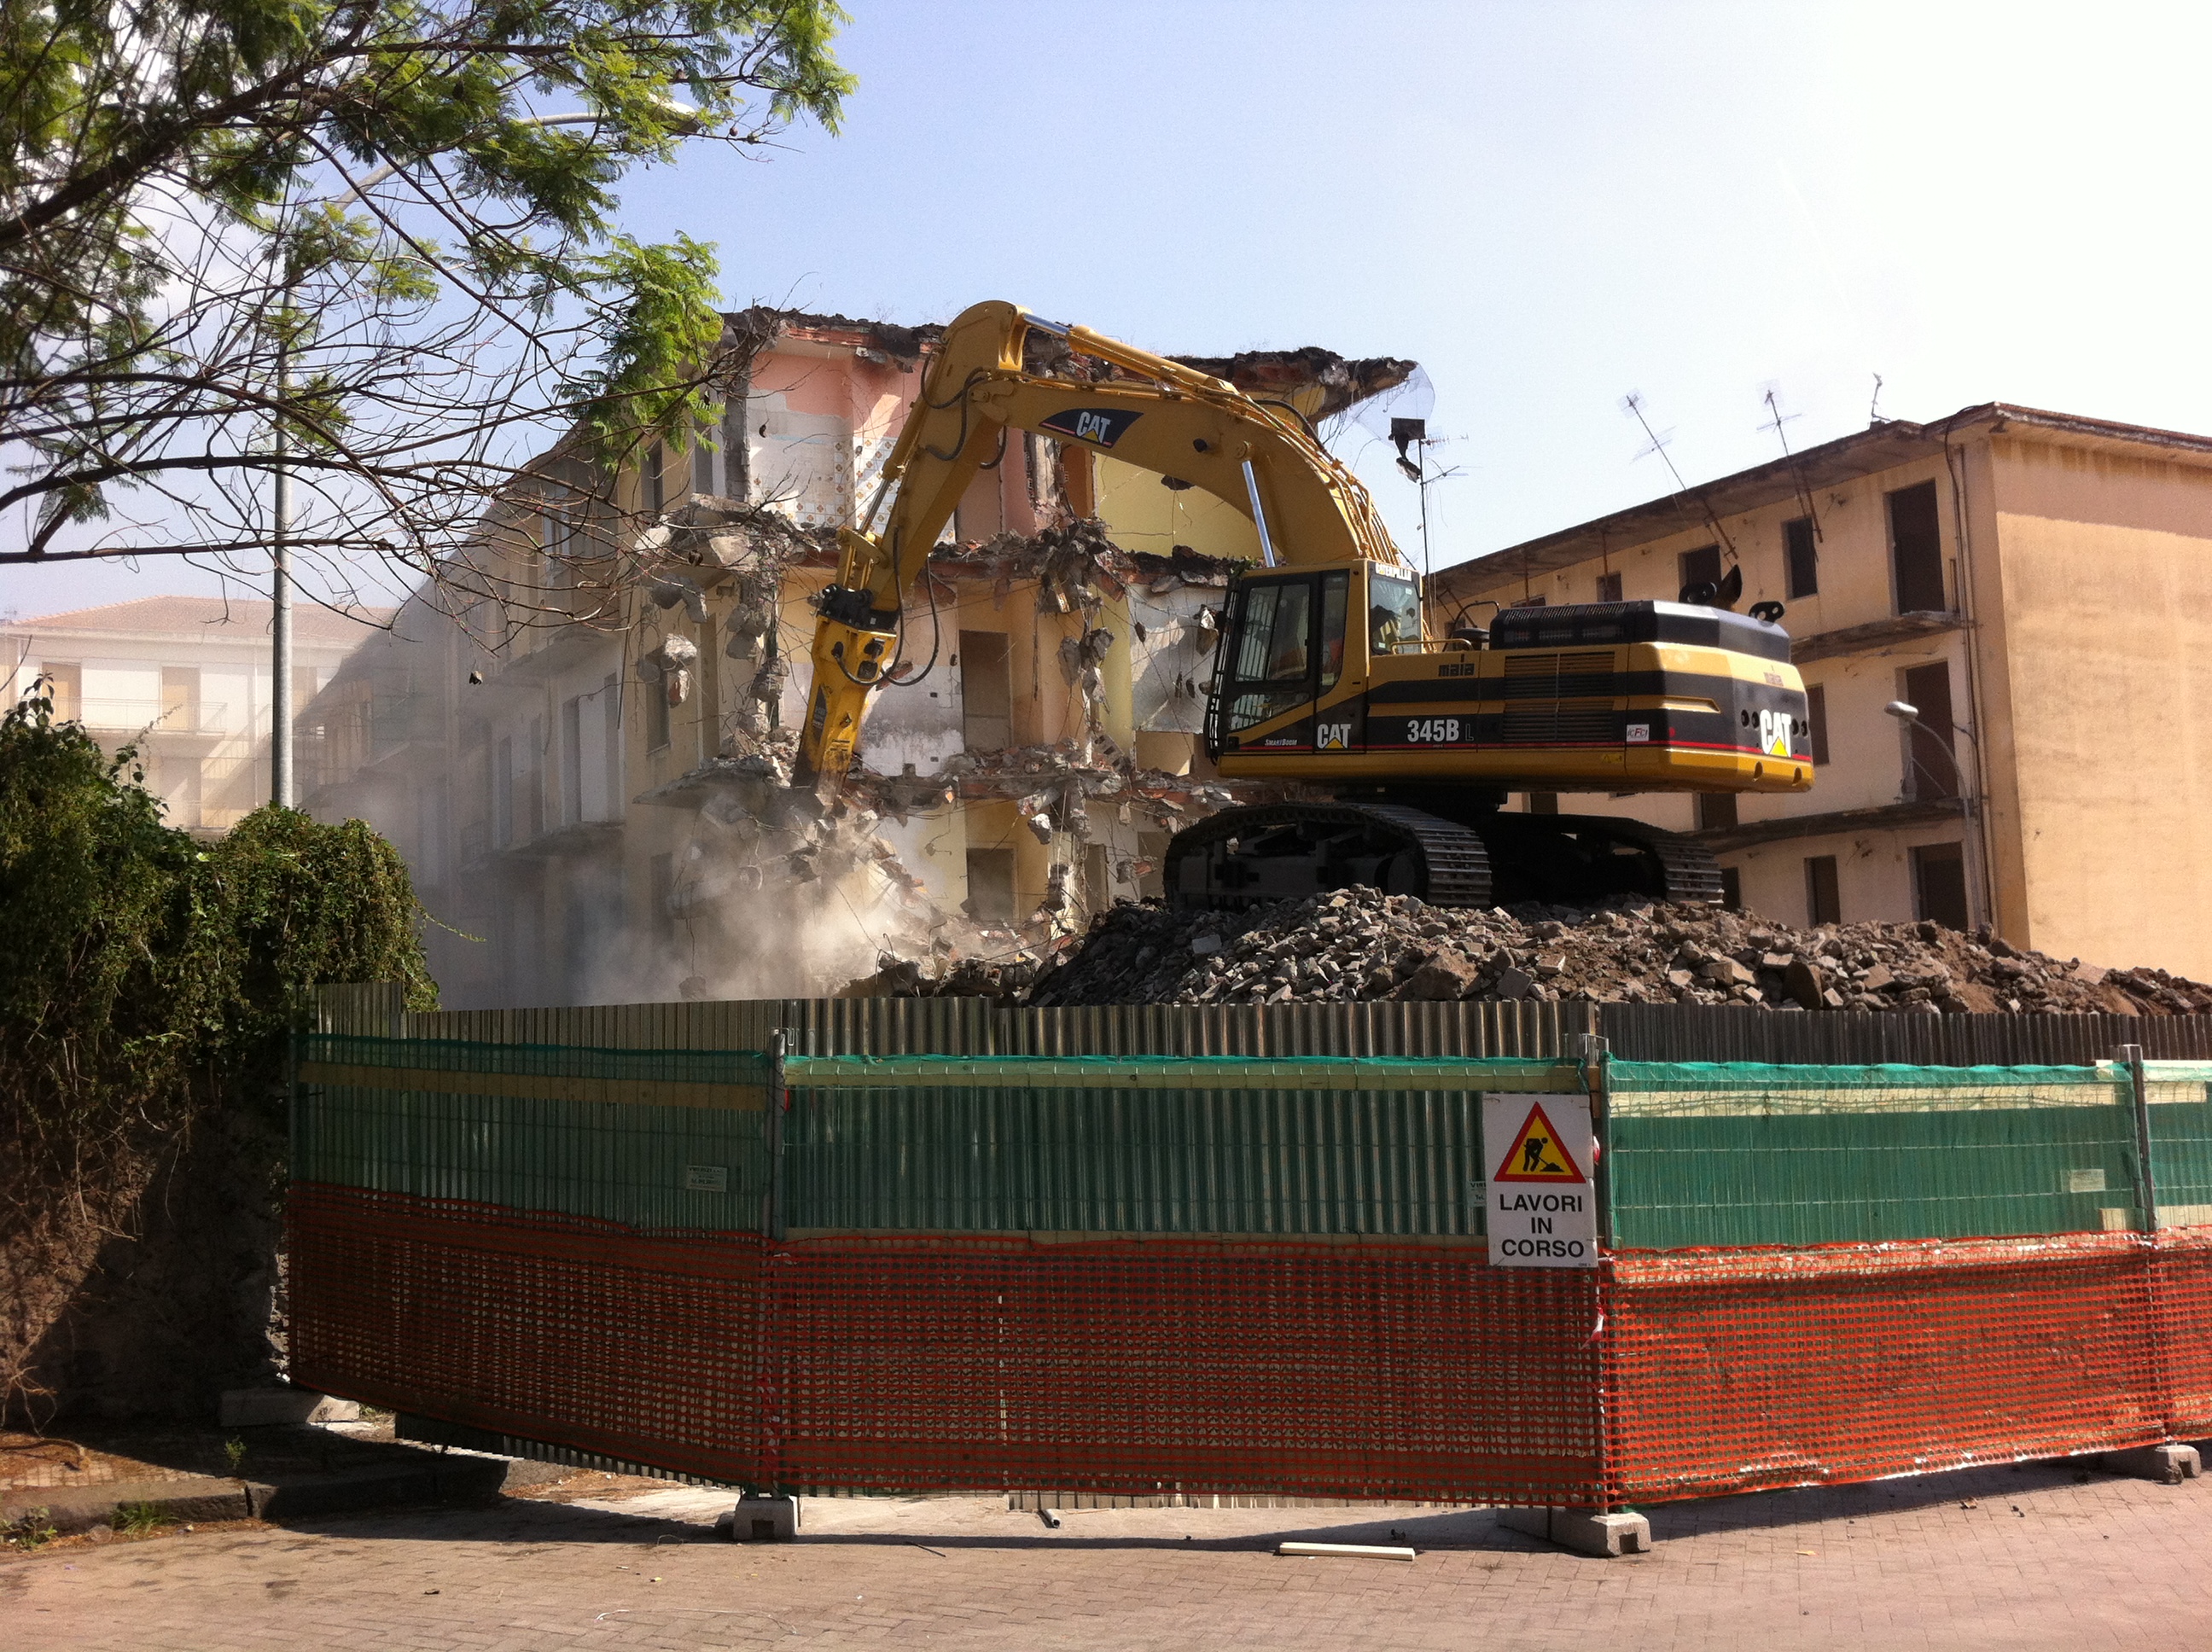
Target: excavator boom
x=1261, y=459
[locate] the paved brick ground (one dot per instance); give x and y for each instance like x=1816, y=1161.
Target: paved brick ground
x=2035, y=1557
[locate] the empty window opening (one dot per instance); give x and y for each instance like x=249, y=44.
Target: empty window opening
x=1931, y=767
x=1915, y=549
x=1816, y=715
x=572, y=761
x=987, y=690
x=1700, y=567
x=1802, y=557
x=662, y=871
x=1608, y=587
x=1543, y=802
x=1823, y=904
x=1939, y=883
x=1716, y=811
x=66, y=687
x=656, y=736
x=1732, y=889
x=991, y=885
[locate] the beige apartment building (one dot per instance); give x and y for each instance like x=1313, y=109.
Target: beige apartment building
x=2037, y=587
x=186, y=680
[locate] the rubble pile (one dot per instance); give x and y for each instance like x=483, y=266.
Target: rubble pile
x=1361, y=944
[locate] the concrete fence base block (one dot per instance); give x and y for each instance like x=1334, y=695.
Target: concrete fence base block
x=1583, y=1530
x=276, y=1407
x=761, y=1519
x=2169, y=1465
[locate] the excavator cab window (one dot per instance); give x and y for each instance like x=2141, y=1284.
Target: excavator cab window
x=1287, y=646
x=1394, y=613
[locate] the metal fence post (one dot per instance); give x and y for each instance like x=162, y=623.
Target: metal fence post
x=777, y=1096
x=2131, y=1056
x=1596, y=1058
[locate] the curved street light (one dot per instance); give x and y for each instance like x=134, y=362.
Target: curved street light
x=1906, y=712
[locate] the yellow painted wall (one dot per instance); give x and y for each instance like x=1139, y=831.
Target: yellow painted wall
x=2107, y=578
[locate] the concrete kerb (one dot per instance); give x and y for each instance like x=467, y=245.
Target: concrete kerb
x=451, y=1478
x=1585, y=1531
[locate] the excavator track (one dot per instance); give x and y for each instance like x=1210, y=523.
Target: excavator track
x=1294, y=850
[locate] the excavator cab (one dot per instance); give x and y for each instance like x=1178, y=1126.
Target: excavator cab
x=1300, y=647
x=1327, y=676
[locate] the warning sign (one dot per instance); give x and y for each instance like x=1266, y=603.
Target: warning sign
x=1537, y=1153
x=1540, y=1205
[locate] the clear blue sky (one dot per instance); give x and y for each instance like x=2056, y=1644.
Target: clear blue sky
x=1548, y=205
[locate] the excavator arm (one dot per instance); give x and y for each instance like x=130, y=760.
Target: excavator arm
x=1260, y=458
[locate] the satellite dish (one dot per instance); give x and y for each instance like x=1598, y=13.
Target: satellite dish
x=1401, y=411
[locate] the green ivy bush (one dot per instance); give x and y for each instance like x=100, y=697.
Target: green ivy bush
x=148, y=979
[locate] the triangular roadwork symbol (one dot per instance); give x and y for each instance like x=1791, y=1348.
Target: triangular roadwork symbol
x=1537, y=1153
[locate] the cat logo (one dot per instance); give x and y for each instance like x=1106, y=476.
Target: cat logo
x=1102, y=426
x=1332, y=737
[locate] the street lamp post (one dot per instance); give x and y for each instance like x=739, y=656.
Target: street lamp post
x=1906, y=712
x=281, y=786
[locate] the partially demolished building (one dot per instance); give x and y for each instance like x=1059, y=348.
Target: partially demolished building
x=581, y=738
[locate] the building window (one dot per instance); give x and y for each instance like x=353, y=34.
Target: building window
x=655, y=690
x=1931, y=765
x=1823, y=904
x=991, y=885
x=661, y=869
x=572, y=761
x=1802, y=557
x=1916, y=551
x=1608, y=587
x=1716, y=810
x=1939, y=883
x=1543, y=802
x=1816, y=715
x=986, y=691
x=181, y=698
x=1700, y=567
x=66, y=687
x=1732, y=889
x=502, y=794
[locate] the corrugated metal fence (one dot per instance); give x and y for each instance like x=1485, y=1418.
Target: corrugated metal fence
x=1636, y=1032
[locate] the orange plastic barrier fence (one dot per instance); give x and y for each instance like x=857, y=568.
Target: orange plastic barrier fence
x=1386, y=1370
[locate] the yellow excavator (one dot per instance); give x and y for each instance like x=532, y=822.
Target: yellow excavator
x=1326, y=673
